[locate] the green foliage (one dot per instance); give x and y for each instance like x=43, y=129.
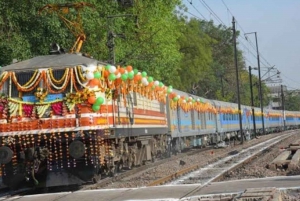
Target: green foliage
x=153, y=36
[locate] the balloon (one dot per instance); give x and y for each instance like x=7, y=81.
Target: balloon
x=94, y=82
x=106, y=73
x=107, y=67
x=91, y=99
x=99, y=101
x=144, y=74
x=175, y=98
x=112, y=69
x=171, y=86
x=129, y=68
x=89, y=75
x=117, y=72
x=144, y=80
x=160, y=84
x=97, y=74
x=124, y=77
x=118, y=75
x=146, y=83
x=135, y=71
x=96, y=107
x=156, y=83
x=150, y=79
x=112, y=77
x=169, y=90
x=122, y=70
x=131, y=75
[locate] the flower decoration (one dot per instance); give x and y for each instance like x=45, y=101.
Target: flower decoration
x=41, y=94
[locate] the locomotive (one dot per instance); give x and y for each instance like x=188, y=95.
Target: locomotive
x=66, y=118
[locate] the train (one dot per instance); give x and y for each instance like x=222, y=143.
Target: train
x=68, y=119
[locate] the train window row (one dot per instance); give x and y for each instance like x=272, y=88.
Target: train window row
x=230, y=117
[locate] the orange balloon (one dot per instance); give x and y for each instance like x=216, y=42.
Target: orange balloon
x=122, y=70
x=136, y=78
x=91, y=99
x=117, y=71
x=129, y=68
x=106, y=73
x=94, y=82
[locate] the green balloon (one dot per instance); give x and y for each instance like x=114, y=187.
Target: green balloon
x=124, y=77
x=160, y=84
x=112, y=77
x=130, y=76
x=150, y=79
x=107, y=67
x=97, y=75
x=171, y=87
x=99, y=101
x=144, y=74
x=169, y=90
x=135, y=71
x=175, y=98
x=96, y=107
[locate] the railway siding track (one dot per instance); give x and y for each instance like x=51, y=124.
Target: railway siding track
x=214, y=171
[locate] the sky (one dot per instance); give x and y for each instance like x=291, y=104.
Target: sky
x=277, y=23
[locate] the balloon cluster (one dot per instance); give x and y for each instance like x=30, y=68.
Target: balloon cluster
x=115, y=75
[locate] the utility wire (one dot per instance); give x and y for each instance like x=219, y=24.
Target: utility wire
x=191, y=2
x=250, y=42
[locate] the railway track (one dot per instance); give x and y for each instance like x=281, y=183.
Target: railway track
x=214, y=171
x=126, y=173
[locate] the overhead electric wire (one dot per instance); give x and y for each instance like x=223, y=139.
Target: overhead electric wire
x=249, y=41
x=208, y=8
x=191, y=2
x=211, y=11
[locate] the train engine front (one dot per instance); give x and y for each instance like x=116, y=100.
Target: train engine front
x=53, y=121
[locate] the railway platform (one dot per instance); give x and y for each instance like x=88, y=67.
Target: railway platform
x=166, y=192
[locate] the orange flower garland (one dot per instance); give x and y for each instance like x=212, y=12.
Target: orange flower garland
x=23, y=88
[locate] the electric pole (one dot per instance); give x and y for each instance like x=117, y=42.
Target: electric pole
x=237, y=80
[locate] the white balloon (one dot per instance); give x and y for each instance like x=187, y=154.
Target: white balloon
x=125, y=72
x=112, y=69
x=184, y=101
x=156, y=83
x=190, y=98
x=139, y=73
x=118, y=75
x=89, y=75
x=178, y=96
x=144, y=80
x=198, y=99
x=146, y=83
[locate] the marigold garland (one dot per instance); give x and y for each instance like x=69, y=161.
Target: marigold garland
x=4, y=77
x=79, y=70
x=58, y=89
x=50, y=83
x=60, y=81
x=31, y=86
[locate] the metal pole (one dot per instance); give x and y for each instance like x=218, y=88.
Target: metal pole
x=260, y=89
x=252, y=102
x=237, y=79
x=283, y=108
